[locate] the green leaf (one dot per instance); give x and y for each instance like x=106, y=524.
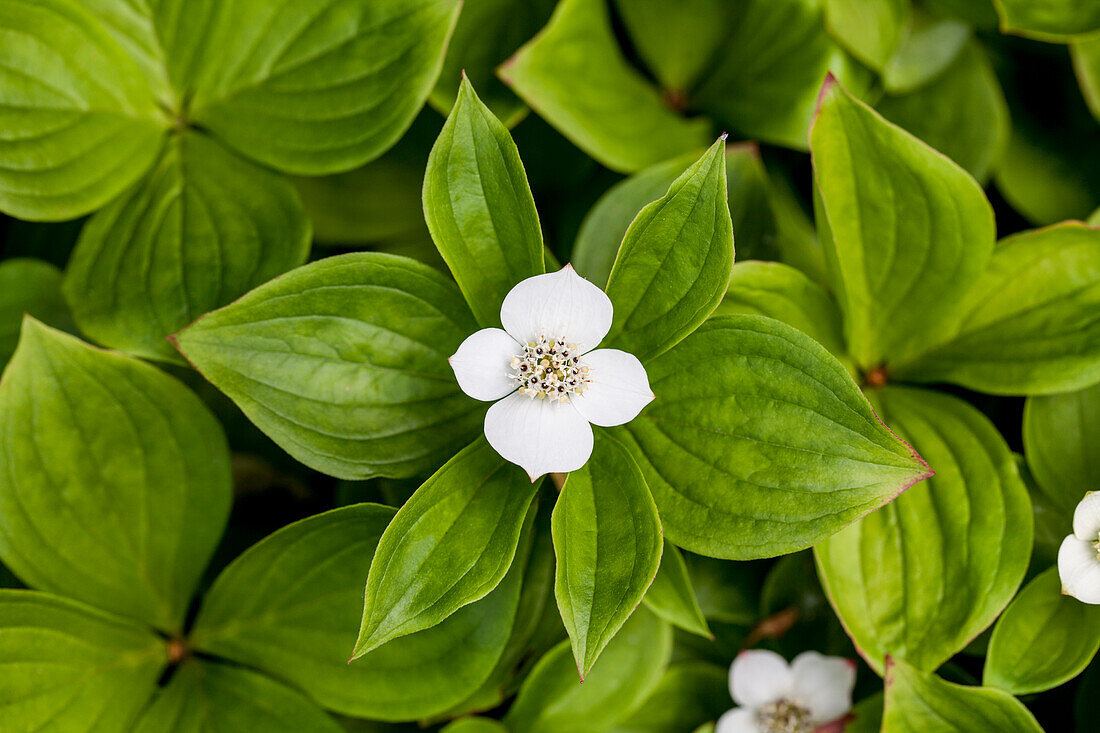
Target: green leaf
x=553, y=700
x=607, y=539
x=674, y=263
x=1086, y=65
x=931, y=45
x=747, y=189
x=870, y=29
x=759, y=443
x=962, y=113
x=672, y=597
x=290, y=604
x=118, y=482
x=448, y=546
x=923, y=576
x=910, y=230
x=1031, y=323
x=336, y=361
x=33, y=287
x=920, y=702
x=728, y=592
x=1042, y=640
x=677, y=41
x=80, y=123
x=201, y=230
x=479, y=208
x=770, y=68
x=475, y=725
x=574, y=75
x=689, y=695
x=488, y=32
x=781, y=292
x=866, y=715
x=131, y=23
x=209, y=696
x=1061, y=435
x=309, y=88
x=69, y=667
x=1048, y=20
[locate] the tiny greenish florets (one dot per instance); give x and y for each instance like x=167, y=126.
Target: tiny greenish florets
x=784, y=716
x=550, y=369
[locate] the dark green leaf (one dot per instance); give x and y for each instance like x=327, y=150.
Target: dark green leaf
x=759, y=443
x=1062, y=444
x=910, y=231
x=677, y=41
x=448, y=546
x=1031, y=323
x=207, y=696
x=33, y=287
x=920, y=702
x=923, y=576
x=475, y=725
x=553, y=700
x=479, y=207
x=1043, y=639
x=118, y=483
x=607, y=539
x=689, y=695
x=201, y=230
x=672, y=597
x=337, y=360
x=69, y=667
x=80, y=122
x=1086, y=64
x=574, y=75
x=674, y=263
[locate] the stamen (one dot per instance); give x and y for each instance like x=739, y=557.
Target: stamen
x=550, y=369
x=783, y=716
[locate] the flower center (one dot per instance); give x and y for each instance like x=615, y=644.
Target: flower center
x=783, y=716
x=549, y=369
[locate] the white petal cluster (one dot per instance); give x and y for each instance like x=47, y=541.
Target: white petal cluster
x=776, y=697
x=1079, y=555
x=548, y=381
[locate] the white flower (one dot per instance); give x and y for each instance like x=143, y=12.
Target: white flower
x=776, y=697
x=551, y=386
x=1079, y=555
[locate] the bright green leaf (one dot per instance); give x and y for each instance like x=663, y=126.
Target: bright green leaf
x=1086, y=65
x=80, y=122
x=289, y=606
x=759, y=443
x=69, y=667
x=118, y=478
x=870, y=29
x=910, y=230
x=1043, y=638
x=1049, y=20
x=1031, y=323
x=931, y=45
x=131, y=22
x=479, y=207
x=607, y=539
x=553, y=699
x=574, y=75
x=337, y=360
x=678, y=41
x=475, y=725
x=448, y=546
x=770, y=69
x=920, y=702
x=1062, y=445
x=674, y=263
x=962, y=113
x=200, y=231
x=309, y=88
x=207, y=696
x=672, y=597
x=33, y=287
x=923, y=576
x=689, y=695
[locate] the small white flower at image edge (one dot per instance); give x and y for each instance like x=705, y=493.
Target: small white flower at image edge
x=811, y=692
x=548, y=381
x=1079, y=555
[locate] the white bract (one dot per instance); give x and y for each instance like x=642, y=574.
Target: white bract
x=1079, y=555
x=550, y=382
x=775, y=697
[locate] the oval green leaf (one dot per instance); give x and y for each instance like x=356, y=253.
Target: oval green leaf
x=672, y=596
x=1054, y=21
x=201, y=230
x=759, y=443
x=920, y=578
x=870, y=29
x=28, y=287
x=118, y=478
x=1061, y=440
x=336, y=361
